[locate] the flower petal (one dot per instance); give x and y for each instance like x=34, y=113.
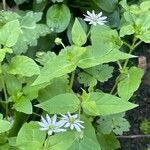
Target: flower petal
x=77, y=127
x=48, y=119
x=54, y=118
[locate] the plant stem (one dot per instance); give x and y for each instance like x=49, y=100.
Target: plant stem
x=5, y=95
x=72, y=79
x=4, y=4
x=89, y=32
x=63, y=45
x=131, y=48
x=114, y=87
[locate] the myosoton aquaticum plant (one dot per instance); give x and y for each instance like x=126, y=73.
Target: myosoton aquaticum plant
x=55, y=56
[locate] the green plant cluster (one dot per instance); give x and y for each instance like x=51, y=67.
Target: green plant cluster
x=38, y=71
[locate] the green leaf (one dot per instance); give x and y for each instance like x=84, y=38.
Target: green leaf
x=62, y=103
x=4, y=125
x=78, y=34
x=3, y=53
x=31, y=31
x=107, y=5
x=58, y=17
x=86, y=79
x=69, y=140
x=3, y=138
x=145, y=5
x=60, y=141
x=105, y=36
x=105, y=104
x=13, y=85
x=43, y=57
x=94, y=56
x=108, y=142
x=87, y=139
x=23, y=105
x=126, y=30
x=145, y=126
x=9, y=33
x=31, y=92
x=101, y=72
x=23, y=65
x=54, y=68
x=30, y=136
x=58, y=86
x=130, y=83
x=145, y=37
x=115, y=123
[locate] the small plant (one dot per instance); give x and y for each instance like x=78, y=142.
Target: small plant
x=40, y=107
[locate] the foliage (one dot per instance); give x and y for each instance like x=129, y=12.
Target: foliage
x=42, y=75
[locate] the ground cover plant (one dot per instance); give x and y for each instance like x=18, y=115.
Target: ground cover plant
x=56, y=58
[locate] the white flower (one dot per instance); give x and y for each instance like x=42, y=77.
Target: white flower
x=72, y=121
x=51, y=125
x=95, y=19
x=54, y=1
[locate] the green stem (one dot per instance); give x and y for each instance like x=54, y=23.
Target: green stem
x=4, y=4
x=63, y=45
x=89, y=32
x=114, y=87
x=5, y=95
x=72, y=79
x=131, y=49
x=119, y=64
x=126, y=44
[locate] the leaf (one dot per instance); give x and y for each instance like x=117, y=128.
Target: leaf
x=108, y=142
x=145, y=5
x=4, y=125
x=9, y=33
x=31, y=31
x=115, y=123
x=60, y=141
x=30, y=136
x=88, y=139
x=31, y=92
x=145, y=126
x=95, y=56
x=105, y=104
x=13, y=85
x=58, y=86
x=73, y=140
x=61, y=103
x=23, y=65
x=86, y=79
x=3, y=53
x=23, y=105
x=107, y=5
x=78, y=34
x=54, y=68
x=101, y=72
x=126, y=30
x=131, y=83
x=105, y=36
x=58, y=17
x=43, y=57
